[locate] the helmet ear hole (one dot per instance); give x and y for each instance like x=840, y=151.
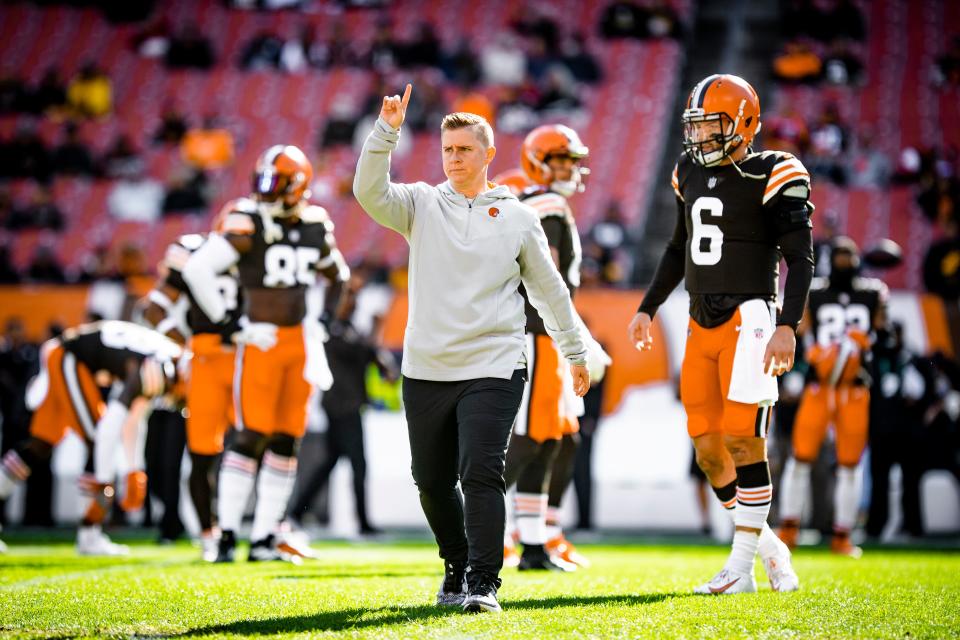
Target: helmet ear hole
x=749, y=121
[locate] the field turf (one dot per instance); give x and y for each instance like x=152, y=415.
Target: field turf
x=375, y=590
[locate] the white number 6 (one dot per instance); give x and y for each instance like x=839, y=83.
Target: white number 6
x=710, y=232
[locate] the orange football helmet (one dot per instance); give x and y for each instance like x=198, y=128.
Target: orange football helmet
x=730, y=102
x=515, y=179
x=281, y=179
x=554, y=140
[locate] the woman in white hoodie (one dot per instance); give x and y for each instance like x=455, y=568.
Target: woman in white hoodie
x=472, y=243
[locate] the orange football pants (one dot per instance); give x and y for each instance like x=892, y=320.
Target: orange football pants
x=271, y=395
x=705, y=381
x=542, y=415
x=209, y=393
x=72, y=400
x=847, y=406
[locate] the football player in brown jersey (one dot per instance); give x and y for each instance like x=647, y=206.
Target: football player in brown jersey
x=65, y=395
x=544, y=439
x=844, y=312
x=170, y=308
x=738, y=213
x=279, y=242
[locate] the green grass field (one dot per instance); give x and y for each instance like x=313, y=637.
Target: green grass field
x=386, y=591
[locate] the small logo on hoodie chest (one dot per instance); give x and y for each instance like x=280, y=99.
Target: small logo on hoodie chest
x=493, y=212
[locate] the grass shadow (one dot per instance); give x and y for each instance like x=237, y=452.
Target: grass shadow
x=356, y=618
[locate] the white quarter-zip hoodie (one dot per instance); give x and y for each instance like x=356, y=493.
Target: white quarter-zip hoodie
x=467, y=259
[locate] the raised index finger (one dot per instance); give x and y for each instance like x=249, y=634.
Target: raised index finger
x=406, y=96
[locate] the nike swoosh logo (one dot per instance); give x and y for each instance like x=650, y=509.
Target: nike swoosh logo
x=738, y=328
x=724, y=587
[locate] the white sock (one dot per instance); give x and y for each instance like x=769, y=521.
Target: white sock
x=769, y=544
x=743, y=552
x=235, y=484
x=753, y=507
x=531, y=514
x=846, y=498
x=106, y=441
x=554, y=530
x=794, y=488
x=13, y=471
x=274, y=486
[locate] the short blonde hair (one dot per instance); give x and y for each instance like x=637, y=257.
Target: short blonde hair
x=462, y=120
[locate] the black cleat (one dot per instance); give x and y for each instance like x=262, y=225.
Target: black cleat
x=537, y=559
x=264, y=550
x=227, y=546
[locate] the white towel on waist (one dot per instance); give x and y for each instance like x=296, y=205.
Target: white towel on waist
x=748, y=382
x=316, y=371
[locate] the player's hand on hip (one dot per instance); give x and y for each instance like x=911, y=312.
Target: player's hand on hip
x=581, y=379
x=262, y=335
x=394, y=108
x=778, y=358
x=639, y=331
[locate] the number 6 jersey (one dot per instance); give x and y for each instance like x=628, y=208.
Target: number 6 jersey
x=734, y=223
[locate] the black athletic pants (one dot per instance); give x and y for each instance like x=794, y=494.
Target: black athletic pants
x=460, y=430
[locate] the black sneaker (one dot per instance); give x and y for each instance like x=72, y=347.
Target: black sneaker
x=264, y=550
x=535, y=558
x=482, y=597
x=453, y=589
x=226, y=547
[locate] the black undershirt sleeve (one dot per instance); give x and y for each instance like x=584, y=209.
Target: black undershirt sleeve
x=795, y=237
x=671, y=267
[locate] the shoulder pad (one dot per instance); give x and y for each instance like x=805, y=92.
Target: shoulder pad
x=786, y=172
x=871, y=284
x=191, y=241
x=177, y=255
x=315, y=214
x=241, y=223
x=549, y=204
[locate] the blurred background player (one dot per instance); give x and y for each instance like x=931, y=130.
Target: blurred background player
x=209, y=387
x=349, y=353
x=845, y=310
x=550, y=159
x=728, y=197
x=278, y=241
x=141, y=365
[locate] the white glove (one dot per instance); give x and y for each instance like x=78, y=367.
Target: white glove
x=262, y=335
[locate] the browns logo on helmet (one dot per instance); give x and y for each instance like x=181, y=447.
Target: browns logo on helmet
x=721, y=119
x=281, y=180
x=554, y=141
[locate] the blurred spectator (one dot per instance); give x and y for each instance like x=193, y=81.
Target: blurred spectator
x=262, y=52
x=382, y=54
x=502, y=60
x=27, y=155
x=516, y=109
x=13, y=94
x=98, y=265
x=846, y=20
x=136, y=198
x=797, y=63
x=132, y=262
x=609, y=235
x=208, y=146
x=899, y=397
x=947, y=68
x=662, y=20
x=50, y=94
x=7, y=206
x=841, y=65
x=44, y=268
x=187, y=192
x=939, y=191
x=828, y=141
x=190, y=49
x=300, y=53
x=582, y=64
x=623, y=19
x=910, y=165
x=422, y=51
x=41, y=213
x=154, y=40
x=73, y=157
x=786, y=130
x=90, y=93
x=540, y=59
x=941, y=266
x=823, y=20
x=8, y=273
x=338, y=51
x=869, y=167
x=122, y=158
x=426, y=109
x=461, y=66
x=173, y=125
x=559, y=91
x=535, y=22
x=341, y=124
